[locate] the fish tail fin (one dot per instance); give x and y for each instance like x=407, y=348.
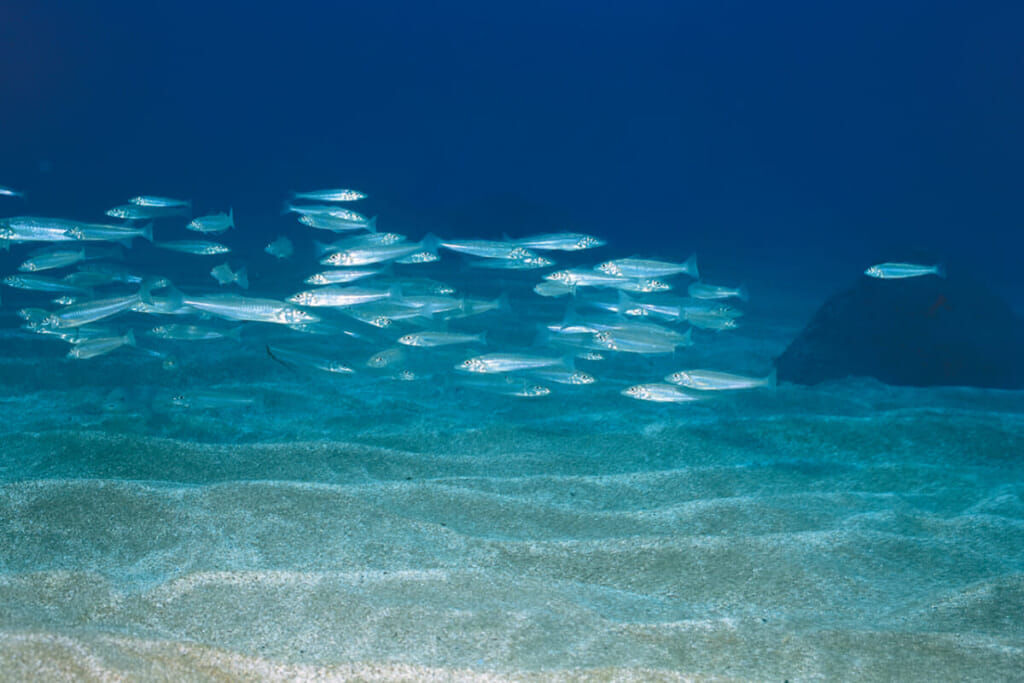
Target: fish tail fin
x=625, y=302
x=940, y=270
x=287, y=207
x=430, y=242
x=502, y=304
x=147, y=231
x=129, y=337
x=742, y=294
x=690, y=266
x=231, y=217
x=687, y=338
x=772, y=380
x=482, y=337
x=371, y=224
x=235, y=333
x=242, y=277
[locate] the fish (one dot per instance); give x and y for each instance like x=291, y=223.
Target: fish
x=289, y=356
x=218, y=222
x=44, y=283
x=10, y=192
x=225, y=276
x=235, y=307
x=649, y=268
x=429, y=339
x=363, y=256
x=345, y=195
x=91, y=311
x=488, y=249
x=529, y=263
x=386, y=358
x=658, y=393
x=713, y=380
x=899, y=271
x=161, y=202
x=199, y=247
x=212, y=400
x=333, y=277
x=98, y=232
x=37, y=229
x=280, y=248
x=560, y=241
x=702, y=290
x=340, y=297
x=195, y=333
x=339, y=223
x=90, y=348
x=136, y=212
x=369, y=239
x=505, y=386
x=560, y=375
x=506, y=362
x=53, y=259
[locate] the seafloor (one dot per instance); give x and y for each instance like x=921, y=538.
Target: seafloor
x=357, y=527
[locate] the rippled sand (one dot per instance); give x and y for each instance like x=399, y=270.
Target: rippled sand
x=849, y=543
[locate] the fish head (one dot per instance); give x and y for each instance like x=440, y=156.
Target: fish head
x=637, y=391
x=422, y=257
x=302, y=298
x=520, y=253
x=874, y=271
x=317, y=279
x=637, y=312
x=409, y=340
x=76, y=232
x=170, y=364
x=536, y=390
x=578, y=377
x=681, y=378
x=563, y=276
x=289, y=316
x=654, y=286
x=406, y=376
x=472, y=365
x=589, y=242
x=609, y=268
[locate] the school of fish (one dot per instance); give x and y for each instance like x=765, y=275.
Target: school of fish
x=373, y=290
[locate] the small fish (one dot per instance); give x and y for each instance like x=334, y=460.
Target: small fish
x=560, y=241
x=161, y=202
x=9, y=192
x=212, y=400
x=136, y=212
x=386, y=358
x=506, y=362
x=531, y=263
x=712, y=380
x=98, y=232
x=53, y=259
x=195, y=333
x=98, y=346
x=899, y=271
x=218, y=222
x=432, y=339
x=43, y=283
x=701, y=290
x=225, y=276
x=339, y=223
x=553, y=289
x=658, y=393
x=648, y=268
x=339, y=297
x=235, y=307
x=488, y=249
x=199, y=247
x=363, y=256
x=288, y=356
x=330, y=195
x=334, y=277
x=280, y=248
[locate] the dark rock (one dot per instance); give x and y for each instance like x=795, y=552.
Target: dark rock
x=921, y=331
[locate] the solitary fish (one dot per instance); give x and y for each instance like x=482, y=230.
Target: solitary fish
x=9, y=192
x=899, y=271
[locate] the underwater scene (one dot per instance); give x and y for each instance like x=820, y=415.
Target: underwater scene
x=656, y=343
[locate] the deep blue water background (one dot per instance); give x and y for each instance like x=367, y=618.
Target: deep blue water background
x=798, y=138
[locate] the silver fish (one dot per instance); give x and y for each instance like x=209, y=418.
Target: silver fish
x=200, y=247
x=218, y=222
x=701, y=290
x=898, y=271
x=195, y=333
x=235, y=307
x=288, y=356
x=338, y=223
x=338, y=296
x=649, y=268
x=98, y=232
x=87, y=312
x=161, y=202
x=334, y=277
x=432, y=339
x=330, y=195
x=713, y=380
x=488, y=249
x=560, y=241
x=659, y=393
x=506, y=362
x=90, y=348
x=136, y=212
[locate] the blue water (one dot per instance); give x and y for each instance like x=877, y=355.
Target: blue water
x=361, y=525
